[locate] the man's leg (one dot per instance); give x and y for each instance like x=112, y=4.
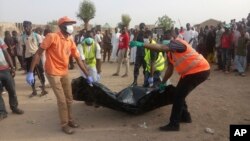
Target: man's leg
x=69, y=99
x=136, y=69
x=104, y=54
x=184, y=87
x=28, y=64
x=119, y=59
x=219, y=57
x=3, y=112
x=147, y=75
x=41, y=75
x=56, y=85
x=9, y=84
x=20, y=59
x=126, y=61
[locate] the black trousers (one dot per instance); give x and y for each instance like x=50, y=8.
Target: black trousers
x=219, y=58
x=38, y=69
x=184, y=87
x=8, y=82
x=139, y=61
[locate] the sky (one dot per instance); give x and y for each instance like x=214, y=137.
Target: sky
x=110, y=11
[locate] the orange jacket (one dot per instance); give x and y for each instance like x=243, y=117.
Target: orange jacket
x=188, y=62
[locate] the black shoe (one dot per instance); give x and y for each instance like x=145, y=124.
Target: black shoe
x=72, y=124
x=186, y=118
x=43, y=93
x=32, y=94
x=3, y=116
x=68, y=130
x=18, y=111
x=170, y=127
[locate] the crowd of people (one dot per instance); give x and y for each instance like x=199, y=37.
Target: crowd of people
x=50, y=55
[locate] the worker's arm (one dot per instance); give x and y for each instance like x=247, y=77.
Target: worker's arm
x=173, y=46
x=82, y=66
x=153, y=57
x=36, y=59
x=168, y=72
x=9, y=61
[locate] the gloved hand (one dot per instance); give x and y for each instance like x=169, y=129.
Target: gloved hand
x=166, y=42
x=90, y=80
x=30, y=78
x=162, y=86
x=98, y=77
x=136, y=44
x=151, y=81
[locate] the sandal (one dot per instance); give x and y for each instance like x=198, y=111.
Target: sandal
x=115, y=74
x=17, y=111
x=43, y=93
x=73, y=124
x=3, y=116
x=125, y=75
x=67, y=130
x=32, y=94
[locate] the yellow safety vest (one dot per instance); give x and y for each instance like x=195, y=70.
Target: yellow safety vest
x=159, y=63
x=90, y=56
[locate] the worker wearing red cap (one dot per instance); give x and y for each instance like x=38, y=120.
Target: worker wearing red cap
x=59, y=46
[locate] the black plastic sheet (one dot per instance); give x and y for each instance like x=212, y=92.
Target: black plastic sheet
x=133, y=100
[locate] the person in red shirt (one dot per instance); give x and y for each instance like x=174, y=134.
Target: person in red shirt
x=226, y=42
x=122, y=52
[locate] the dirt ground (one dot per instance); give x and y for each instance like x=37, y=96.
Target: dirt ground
x=220, y=101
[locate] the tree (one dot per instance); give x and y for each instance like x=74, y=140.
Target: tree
x=125, y=20
x=52, y=25
x=165, y=22
x=86, y=12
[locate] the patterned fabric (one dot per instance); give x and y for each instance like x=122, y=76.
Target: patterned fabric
x=3, y=63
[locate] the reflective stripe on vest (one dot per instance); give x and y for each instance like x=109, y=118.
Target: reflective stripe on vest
x=188, y=62
x=159, y=63
x=90, y=58
x=191, y=65
x=183, y=58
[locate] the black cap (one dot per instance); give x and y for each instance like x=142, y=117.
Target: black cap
x=142, y=25
x=26, y=23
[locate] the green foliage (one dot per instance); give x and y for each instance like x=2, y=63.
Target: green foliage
x=53, y=22
x=52, y=25
x=86, y=12
x=119, y=25
x=126, y=20
x=165, y=22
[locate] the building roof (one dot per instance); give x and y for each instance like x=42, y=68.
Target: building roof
x=209, y=22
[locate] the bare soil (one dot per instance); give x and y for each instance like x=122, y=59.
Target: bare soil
x=218, y=102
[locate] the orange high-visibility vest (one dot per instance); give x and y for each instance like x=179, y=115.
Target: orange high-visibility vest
x=188, y=62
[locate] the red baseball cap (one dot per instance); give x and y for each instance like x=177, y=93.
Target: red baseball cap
x=65, y=19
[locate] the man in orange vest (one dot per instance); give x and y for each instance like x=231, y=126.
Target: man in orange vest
x=192, y=67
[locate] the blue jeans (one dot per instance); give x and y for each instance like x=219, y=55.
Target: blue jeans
x=226, y=59
x=8, y=82
x=240, y=62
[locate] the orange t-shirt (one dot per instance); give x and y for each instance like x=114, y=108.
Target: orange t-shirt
x=58, y=49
